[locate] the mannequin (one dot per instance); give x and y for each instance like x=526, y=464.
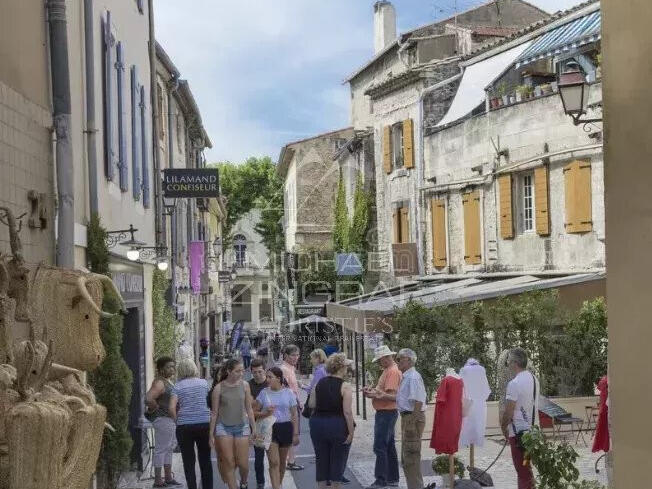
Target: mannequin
x=476, y=388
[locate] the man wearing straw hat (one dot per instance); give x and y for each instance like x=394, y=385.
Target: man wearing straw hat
x=384, y=402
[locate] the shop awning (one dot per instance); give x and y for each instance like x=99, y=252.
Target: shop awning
x=476, y=77
x=565, y=38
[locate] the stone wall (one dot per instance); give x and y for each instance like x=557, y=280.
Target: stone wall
x=26, y=165
x=525, y=130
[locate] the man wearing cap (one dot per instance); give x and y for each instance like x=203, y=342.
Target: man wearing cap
x=384, y=402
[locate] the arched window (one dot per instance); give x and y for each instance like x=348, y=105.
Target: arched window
x=240, y=247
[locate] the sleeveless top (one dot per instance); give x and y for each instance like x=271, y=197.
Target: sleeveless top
x=231, y=410
x=163, y=401
x=328, y=397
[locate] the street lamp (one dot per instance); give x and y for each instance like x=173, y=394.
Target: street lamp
x=133, y=254
x=169, y=205
x=162, y=265
x=574, y=93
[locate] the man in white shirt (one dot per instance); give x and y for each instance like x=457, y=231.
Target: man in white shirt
x=411, y=403
x=520, y=412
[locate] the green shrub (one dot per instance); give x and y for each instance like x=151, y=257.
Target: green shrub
x=441, y=466
x=166, y=336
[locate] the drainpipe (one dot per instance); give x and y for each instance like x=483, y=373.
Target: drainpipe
x=421, y=248
x=172, y=85
x=91, y=130
x=156, y=166
x=56, y=10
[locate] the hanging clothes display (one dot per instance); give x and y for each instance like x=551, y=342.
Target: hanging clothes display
x=448, y=415
x=601, y=440
x=476, y=388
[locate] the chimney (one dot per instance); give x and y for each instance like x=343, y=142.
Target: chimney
x=384, y=25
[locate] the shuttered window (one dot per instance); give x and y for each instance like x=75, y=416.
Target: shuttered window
x=136, y=139
x=506, y=206
x=408, y=143
x=541, y=201
x=472, y=241
x=123, y=163
x=387, y=149
x=438, y=223
x=145, y=148
x=577, y=186
x=108, y=41
x=401, y=225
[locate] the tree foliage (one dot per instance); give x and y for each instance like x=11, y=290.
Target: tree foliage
x=166, y=336
x=357, y=241
x=341, y=228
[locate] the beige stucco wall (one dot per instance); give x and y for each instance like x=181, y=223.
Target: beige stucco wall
x=627, y=72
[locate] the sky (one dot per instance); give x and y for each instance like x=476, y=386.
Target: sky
x=265, y=73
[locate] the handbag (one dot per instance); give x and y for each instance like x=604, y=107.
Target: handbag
x=519, y=434
x=264, y=428
x=311, y=403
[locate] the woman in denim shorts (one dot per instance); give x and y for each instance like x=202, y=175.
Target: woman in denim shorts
x=232, y=423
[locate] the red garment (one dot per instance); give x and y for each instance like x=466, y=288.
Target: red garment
x=601, y=440
x=524, y=476
x=448, y=416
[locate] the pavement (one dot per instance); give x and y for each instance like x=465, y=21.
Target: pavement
x=360, y=469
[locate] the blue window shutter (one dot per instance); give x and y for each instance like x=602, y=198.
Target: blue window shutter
x=107, y=51
x=140, y=5
x=136, y=140
x=123, y=164
x=145, y=148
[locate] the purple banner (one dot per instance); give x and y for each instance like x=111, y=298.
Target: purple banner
x=196, y=252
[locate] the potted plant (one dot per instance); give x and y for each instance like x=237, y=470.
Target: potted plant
x=440, y=466
x=537, y=91
x=554, y=86
x=546, y=89
x=502, y=92
x=522, y=93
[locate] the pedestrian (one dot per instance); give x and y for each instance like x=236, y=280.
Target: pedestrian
x=288, y=366
x=276, y=347
x=331, y=424
x=158, y=412
x=411, y=403
x=331, y=347
x=232, y=423
x=278, y=400
x=257, y=383
x=386, y=469
x=189, y=409
x=521, y=405
x=318, y=361
x=245, y=352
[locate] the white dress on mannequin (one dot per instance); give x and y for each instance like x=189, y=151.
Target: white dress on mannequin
x=476, y=388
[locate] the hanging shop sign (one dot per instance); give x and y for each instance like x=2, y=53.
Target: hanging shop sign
x=191, y=182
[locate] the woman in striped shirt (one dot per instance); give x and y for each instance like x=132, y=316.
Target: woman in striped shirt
x=189, y=409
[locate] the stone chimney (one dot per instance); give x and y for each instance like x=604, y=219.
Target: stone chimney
x=384, y=25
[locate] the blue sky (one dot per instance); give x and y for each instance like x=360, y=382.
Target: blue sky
x=265, y=73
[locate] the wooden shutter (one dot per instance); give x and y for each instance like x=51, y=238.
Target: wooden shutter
x=506, y=216
x=136, y=141
x=438, y=220
x=405, y=225
x=472, y=242
x=541, y=203
x=387, y=149
x=408, y=143
x=577, y=186
x=107, y=53
x=123, y=164
x=396, y=225
x=145, y=148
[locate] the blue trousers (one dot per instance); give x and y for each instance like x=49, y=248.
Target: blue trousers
x=259, y=464
x=385, y=447
x=328, y=435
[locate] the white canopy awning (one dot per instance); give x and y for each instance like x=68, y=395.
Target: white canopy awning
x=475, y=79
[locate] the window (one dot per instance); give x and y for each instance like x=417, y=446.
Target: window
x=240, y=248
x=161, y=114
x=401, y=225
x=180, y=132
x=265, y=310
x=528, y=202
x=397, y=145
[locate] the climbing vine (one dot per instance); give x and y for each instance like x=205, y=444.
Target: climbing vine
x=166, y=336
x=112, y=379
x=341, y=230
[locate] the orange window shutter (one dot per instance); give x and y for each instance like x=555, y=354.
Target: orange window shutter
x=570, y=174
x=472, y=243
x=405, y=225
x=505, y=207
x=396, y=225
x=583, y=211
x=408, y=143
x=387, y=149
x=541, y=201
x=438, y=220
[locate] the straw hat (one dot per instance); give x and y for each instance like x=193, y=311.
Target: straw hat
x=382, y=351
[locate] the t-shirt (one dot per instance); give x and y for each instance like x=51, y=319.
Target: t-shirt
x=289, y=372
x=192, y=407
x=256, y=387
x=521, y=390
x=283, y=399
x=410, y=391
x=390, y=379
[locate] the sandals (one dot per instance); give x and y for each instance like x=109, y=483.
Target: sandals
x=294, y=466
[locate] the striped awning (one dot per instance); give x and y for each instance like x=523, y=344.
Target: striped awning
x=563, y=39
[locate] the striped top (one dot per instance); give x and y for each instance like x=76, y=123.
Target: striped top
x=192, y=407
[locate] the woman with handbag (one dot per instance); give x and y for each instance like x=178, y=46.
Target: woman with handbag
x=279, y=401
x=232, y=423
x=157, y=400
x=318, y=361
x=331, y=422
